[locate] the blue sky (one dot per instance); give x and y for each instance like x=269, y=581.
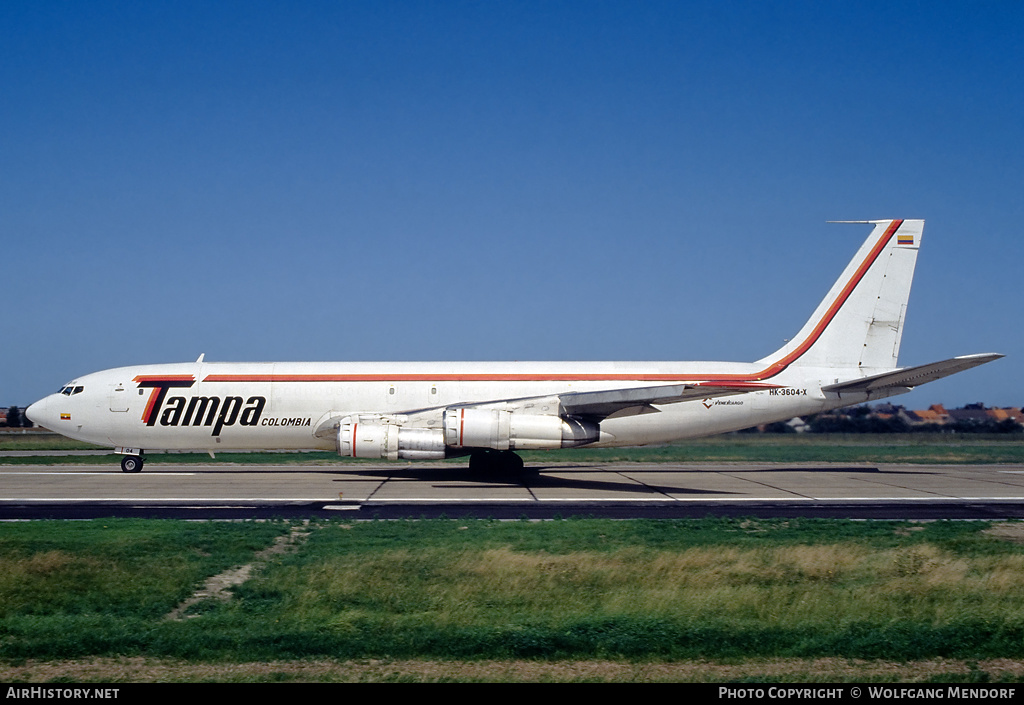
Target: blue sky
x=499, y=180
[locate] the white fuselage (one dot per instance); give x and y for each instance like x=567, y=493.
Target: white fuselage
x=220, y=406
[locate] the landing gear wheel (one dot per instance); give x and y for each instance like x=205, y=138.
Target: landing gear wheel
x=131, y=463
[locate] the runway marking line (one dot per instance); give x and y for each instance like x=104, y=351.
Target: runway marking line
x=484, y=500
x=698, y=499
x=111, y=473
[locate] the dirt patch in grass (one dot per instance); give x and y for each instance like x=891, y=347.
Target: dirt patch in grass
x=218, y=587
x=143, y=670
x=1008, y=531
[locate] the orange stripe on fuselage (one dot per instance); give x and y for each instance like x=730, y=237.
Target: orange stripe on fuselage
x=164, y=378
x=463, y=377
x=155, y=381
x=738, y=380
x=843, y=297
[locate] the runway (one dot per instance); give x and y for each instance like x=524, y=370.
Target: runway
x=626, y=490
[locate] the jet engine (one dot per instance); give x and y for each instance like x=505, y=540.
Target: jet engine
x=374, y=436
x=505, y=430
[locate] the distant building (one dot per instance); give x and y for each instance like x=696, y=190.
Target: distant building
x=934, y=414
x=1008, y=413
x=970, y=415
x=798, y=425
x=891, y=418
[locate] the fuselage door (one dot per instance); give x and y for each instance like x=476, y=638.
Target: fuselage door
x=119, y=398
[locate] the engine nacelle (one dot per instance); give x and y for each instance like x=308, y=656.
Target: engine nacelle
x=374, y=437
x=503, y=430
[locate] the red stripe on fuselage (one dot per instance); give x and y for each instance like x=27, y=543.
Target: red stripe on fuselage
x=844, y=295
x=160, y=384
x=149, y=405
x=738, y=380
x=463, y=377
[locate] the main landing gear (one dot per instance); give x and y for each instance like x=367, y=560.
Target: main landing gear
x=131, y=463
x=495, y=461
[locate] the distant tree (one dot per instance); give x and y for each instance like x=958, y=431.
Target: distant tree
x=986, y=426
x=860, y=420
x=13, y=417
x=1008, y=426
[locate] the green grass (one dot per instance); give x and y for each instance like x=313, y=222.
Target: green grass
x=474, y=589
x=39, y=440
x=713, y=589
x=115, y=568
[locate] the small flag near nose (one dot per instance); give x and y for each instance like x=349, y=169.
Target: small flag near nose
x=65, y=417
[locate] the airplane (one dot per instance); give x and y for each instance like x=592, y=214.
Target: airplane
x=845, y=354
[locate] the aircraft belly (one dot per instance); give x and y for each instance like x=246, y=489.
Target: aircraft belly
x=675, y=422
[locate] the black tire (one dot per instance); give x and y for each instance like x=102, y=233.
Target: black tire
x=131, y=463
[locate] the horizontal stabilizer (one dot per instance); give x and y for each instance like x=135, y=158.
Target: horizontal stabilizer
x=910, y=377
x=605, y=402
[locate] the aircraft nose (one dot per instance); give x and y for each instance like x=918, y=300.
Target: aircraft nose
x=37, y=413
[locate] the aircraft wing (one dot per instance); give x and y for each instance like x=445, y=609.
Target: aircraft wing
x=606, y=402
x=597, y=404
x=910, y=377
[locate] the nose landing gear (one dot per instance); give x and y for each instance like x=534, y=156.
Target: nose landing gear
x=131, y=463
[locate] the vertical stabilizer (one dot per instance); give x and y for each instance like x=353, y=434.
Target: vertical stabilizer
x=859, y=324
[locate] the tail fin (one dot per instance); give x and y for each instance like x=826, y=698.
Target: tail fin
x=859, y=324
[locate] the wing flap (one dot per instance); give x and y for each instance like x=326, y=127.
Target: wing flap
x=910, y=377
x=608, y=401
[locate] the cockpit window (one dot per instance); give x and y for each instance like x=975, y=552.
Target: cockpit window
x=71, y=389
